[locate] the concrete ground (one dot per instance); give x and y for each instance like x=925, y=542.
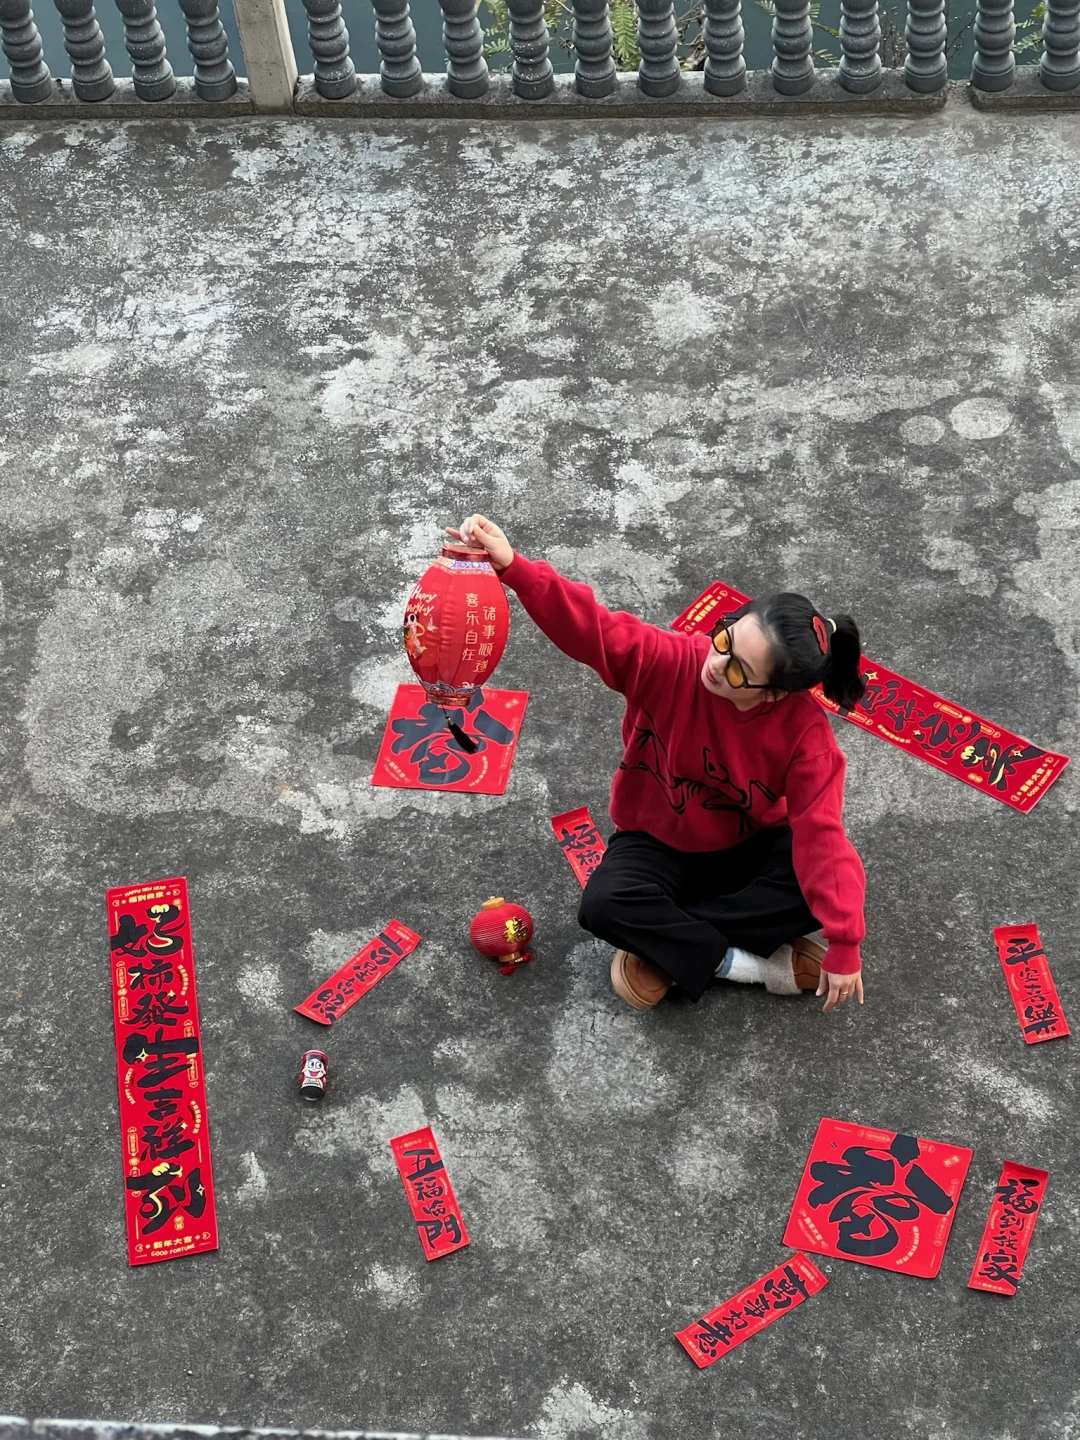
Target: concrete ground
x=247, y=375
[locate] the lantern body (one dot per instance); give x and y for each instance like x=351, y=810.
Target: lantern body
x=502, y=930
x=457, y=623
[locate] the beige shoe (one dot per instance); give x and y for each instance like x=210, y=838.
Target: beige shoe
x=639, y=982
x=806, y=961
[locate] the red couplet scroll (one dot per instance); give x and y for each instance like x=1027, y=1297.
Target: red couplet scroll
x=168, y=1181
x=431, y=1196
x=879, y=1197
x=357, y=976
x=751, y=1310
x=1034, y=994
x=580, y=841
x=947, y=736
x=1013, y=1212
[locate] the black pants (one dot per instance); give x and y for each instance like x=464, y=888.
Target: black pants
x=682, y=911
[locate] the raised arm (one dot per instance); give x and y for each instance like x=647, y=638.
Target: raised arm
x=621, y=648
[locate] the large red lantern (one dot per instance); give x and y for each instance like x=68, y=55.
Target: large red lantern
x=457, y=623
x=502, y=931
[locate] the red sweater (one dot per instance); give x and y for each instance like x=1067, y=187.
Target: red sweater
x=699, y=774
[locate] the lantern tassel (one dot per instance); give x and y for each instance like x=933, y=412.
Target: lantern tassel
x=466, y=743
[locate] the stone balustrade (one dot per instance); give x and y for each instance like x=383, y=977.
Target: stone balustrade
x=273, y=83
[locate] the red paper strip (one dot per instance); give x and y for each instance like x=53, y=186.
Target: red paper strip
x=954, y=740
x=1013, y=1212
x=168, y=1180
x=580, y=841
x=419, y=751
x=751, y=1310
x=435, y=1210
x=356, y=977
x=879, y=1197
x=1031, y=985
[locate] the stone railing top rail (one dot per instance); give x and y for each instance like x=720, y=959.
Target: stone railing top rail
x=15, y=1427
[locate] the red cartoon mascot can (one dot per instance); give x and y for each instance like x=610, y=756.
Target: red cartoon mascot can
x=503, y=931
x=457, y=623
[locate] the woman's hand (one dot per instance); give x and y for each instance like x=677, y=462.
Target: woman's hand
x=840, y=988
x=480, y=533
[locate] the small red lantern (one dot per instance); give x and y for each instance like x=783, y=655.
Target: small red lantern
x=457, y=623
x=503, y=931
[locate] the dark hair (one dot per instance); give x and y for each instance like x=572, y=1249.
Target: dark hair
x=792, y=627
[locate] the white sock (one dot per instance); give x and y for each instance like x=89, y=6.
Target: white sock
x=742, y=967
x=775, y=973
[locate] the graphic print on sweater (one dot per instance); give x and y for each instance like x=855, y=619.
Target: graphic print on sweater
x=681, y=790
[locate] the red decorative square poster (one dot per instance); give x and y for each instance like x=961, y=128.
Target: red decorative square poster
x=883, y=1198
x=914, y=719
x=751, y=1310
x=1034, y=994
x=168, y=1181
x=356, y=977
x=580, y=841
x=420, y=751
x=1013, y=1212
x=431, y=1196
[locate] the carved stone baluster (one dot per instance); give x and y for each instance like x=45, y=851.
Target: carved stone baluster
x=926, y=69
x=860, y=36
x=399, y=69
x=594, y=69
x=150, y=71
x=658, y=73
x=91, y=75
x=994, y=66
x=531, y=73
x=335, y=75
x=215, y=78
x=466, y=69
x=725, y=68
x=1059, y=68
x=792, y=38
x=21, y=43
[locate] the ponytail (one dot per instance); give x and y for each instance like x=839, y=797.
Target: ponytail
x=842, y=683
x=810, y=650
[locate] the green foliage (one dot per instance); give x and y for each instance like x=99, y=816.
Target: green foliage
x=624, y=28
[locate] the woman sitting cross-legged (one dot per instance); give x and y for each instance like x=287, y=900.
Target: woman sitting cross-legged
x=729, y=844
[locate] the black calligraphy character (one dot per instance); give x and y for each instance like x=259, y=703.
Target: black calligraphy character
x=163, y=1188
x=441, y=759
x=997, y=762
x=1041, y=1018
x=428, y=1189
x=1001, y=1268
x=1016, y=1192
x=163, y=1103
x=168, y=924
x=384, y=951
x=783, y=1292
x=159, y=1057
x=710, y=1336
x=870, y=1195
x=127, y=937
x=152, y=974
x=934, y=732
x=432, y=1229
x=758, y=1307
x=153, y=1008
x=165, y=1141
x=1018, y=948
x=424, y=1162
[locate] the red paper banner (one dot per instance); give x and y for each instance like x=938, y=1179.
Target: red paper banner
x=580, y=841
x=879, y=1197
x=435, y=1210
x=356, y=977
x=420, y=752
x=168, y=1181
x=1013, y=1212
x=1031, y=985
x=751, y=1310
x=954, y=740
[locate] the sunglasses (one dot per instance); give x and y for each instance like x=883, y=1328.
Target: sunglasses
x=735, y=675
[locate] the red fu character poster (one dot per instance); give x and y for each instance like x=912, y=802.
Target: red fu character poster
x=580, y=841
x=168, y=1184
x=1013, y=1212
x=431, y=1196
x=884, y=1198
x=751, y=1310
x=914, y=719
x=420, y=751
x=1034, y=994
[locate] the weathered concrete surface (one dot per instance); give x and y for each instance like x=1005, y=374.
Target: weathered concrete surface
x=248, y=374
x=16, y=1427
